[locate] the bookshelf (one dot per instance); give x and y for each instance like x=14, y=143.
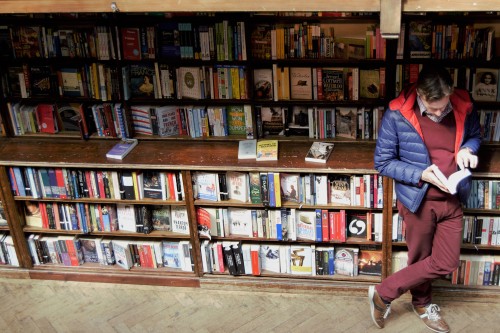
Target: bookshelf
x=188, y=155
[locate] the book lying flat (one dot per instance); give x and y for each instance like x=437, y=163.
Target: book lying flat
x=319, y=152
x=121, y=149
x=453, y=180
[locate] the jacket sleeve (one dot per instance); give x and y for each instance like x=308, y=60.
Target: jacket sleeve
x=472, y=133
x=393, y=160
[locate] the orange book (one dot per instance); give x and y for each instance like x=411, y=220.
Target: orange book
x=255, y=256
x=369, y=222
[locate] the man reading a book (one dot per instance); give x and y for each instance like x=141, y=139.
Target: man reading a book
x=430, y=124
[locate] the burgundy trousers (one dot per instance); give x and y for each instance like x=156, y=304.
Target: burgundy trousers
x=433, y=237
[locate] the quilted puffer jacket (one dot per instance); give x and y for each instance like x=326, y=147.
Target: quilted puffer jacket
x=401, y=153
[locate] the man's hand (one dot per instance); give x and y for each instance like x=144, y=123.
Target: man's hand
x=465, y=159
x=429, y=176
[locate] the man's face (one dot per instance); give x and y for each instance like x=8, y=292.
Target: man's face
x=436, y=108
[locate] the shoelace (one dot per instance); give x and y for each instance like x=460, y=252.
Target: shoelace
x=387, y=311
x=433, y=312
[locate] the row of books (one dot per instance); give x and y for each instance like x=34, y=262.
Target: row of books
x=318, y=83
x=309, y=40
x=490, y=125
x=290, y=224
x=91, y=80
x=220, y=41
x=478, y=230
x=482, y=230
x=33, y=41
x=482, y=270
x=481, y=82
x=160, y=80
x=76, y=251
x=8, y=254
x=192, y=121
x=306, y=260
x=485, y=194
x=89, y=218
x=64, y=183
x=274, y=188
x=477, y=270
x=427, y=39
x=104, y=120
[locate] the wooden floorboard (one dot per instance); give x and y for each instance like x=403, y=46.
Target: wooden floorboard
x=66, y=306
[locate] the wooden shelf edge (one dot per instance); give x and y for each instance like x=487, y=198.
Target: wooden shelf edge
x=14, y=272
x=73, y=6
x=125, y=278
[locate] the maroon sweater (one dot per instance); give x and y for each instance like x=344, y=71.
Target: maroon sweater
x=439, y=138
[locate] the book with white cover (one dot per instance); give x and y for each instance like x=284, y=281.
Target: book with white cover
x=455, y=178
x=247, y=149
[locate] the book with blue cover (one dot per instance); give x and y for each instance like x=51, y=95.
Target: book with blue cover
x=121, y=149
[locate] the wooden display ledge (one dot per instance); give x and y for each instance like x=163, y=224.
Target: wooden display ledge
x=99, y=6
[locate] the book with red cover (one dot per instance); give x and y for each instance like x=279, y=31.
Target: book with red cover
x=131, y=44
x=46, y=119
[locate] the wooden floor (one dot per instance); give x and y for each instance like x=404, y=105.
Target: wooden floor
x=58, y=306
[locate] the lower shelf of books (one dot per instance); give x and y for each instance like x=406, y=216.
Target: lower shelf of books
x=328, y=261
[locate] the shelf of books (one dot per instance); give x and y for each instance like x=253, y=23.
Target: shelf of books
x=481, y=224
x=186, y=76
x=168, y=217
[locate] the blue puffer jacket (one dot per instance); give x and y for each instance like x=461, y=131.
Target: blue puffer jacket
x=401, y=154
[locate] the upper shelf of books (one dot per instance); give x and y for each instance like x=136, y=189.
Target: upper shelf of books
x=52, y=6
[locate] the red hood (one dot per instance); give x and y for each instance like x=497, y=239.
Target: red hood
x=460, y=102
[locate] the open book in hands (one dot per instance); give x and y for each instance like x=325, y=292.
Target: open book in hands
x=455, y=178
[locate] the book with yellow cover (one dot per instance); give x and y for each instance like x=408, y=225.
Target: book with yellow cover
x=267, y=150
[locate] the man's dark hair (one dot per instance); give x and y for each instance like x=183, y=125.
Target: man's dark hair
x=434, y=83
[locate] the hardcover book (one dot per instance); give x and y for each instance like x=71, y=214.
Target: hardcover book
x=370, y=262
x=319, y=152
x=206, y=186
x=236, y=120
x=247, y=149
x=333, y=84
x=170, y=254
x=340, y=189
x=237, y=185
x=161, y=216
x=346, y=122
x=420, y=39
x=267, y=150
x=180, y=222
x=301, y=83
x=369, y=83
x=485, y=84
x=167, y=121
x=121, y=149
x=273, y=120
x=301, y=259
x=263, y=83
x=190, y=82
x=346, y=261
x=142, y=80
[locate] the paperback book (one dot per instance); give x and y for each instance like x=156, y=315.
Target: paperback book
x=319, y=152
x=453, y=180
x=247, y=149
x=267, y=150
x=121, y=149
